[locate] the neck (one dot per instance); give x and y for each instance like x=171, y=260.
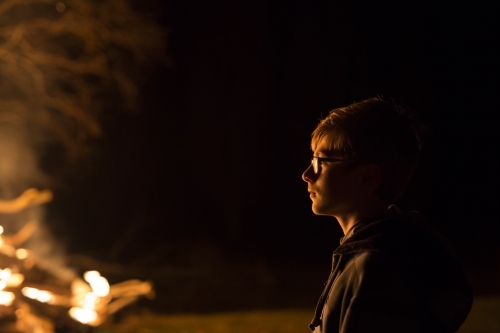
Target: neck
x=368, y=214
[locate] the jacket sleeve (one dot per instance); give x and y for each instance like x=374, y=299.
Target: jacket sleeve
x=377, y=297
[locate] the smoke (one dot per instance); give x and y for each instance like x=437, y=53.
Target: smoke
x=61, y=67
x=19, y=171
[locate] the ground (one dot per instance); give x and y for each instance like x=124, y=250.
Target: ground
x=484, y=318
x=289, y=321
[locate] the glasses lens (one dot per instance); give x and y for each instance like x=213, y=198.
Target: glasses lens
x=314, y=162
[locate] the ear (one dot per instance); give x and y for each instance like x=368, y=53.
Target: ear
x=372, y=175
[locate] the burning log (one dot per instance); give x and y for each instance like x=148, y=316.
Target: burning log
x=22, y=235
x=38, y=301
x=132, y=288
x=30, y=197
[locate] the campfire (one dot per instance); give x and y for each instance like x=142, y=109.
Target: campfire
x=35, y=300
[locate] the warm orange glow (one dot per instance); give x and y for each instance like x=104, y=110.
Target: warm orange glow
x=9, y=279
x=21, y=254
x=99, y=284
x=30, y=292
x=86, y=299
x=20, y=313
x=5, y=273
x=44, y=297
x=40, y=295
x=15, y=280
x=84, y=316
x=79, y=288
x=6, y=298
x=30, y=197
x=90, y=301
x=6, y=248
x=4, y=277
x=91, y=275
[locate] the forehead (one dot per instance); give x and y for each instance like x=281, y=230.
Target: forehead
x=328, y=144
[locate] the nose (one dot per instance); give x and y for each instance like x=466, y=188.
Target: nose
x=308, y=175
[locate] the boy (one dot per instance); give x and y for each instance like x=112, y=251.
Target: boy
x=392, y=272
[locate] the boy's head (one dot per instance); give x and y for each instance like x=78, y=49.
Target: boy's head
x=374, y=131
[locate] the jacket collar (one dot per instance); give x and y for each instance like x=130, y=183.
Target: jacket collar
x=365, y=236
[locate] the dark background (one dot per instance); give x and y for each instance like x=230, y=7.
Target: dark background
x=208, y=172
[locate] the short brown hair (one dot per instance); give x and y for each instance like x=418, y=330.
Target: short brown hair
x=378, y=131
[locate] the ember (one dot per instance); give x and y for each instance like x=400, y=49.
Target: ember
x=36, y=299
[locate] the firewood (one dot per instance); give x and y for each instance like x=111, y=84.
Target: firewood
x=39, y=298
x=120, y=303
x=23, y=234
x=30, y=197
x=132, y=288
x=50, y=288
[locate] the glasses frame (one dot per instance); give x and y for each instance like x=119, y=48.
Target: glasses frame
x=316, y=162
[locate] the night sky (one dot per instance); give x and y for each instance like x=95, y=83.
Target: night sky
x=211, y=163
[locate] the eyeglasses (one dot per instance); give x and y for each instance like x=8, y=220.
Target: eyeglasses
x=317, y=160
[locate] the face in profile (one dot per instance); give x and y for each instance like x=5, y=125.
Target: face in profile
x=333, y=188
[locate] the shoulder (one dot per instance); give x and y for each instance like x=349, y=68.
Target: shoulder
x=372, y=259
x=373, y=269
x=368, y=262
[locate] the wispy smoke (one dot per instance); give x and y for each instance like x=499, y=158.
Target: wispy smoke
x=19, y=171
x=63, y=64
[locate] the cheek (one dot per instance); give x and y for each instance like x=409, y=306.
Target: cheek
x=333, y=184
x=338, y=189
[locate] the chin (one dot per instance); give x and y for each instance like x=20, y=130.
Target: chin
x=327, y=208
x=320, y=210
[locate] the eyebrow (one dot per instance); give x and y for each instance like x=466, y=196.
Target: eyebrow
x=326, y=152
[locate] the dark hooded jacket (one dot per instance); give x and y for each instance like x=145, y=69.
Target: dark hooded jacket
x=393, y=275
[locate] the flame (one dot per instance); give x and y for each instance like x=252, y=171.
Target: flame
x=89, y=298
x=21, y=254
x=15, y=280
x=40, y=295
x=90, y=301
x=5, y=248
x=85, y=310
x=6, y=298
x=4, y=277
x=30, y=292
x=79, y=287
x=84, y=316
x=9, y=279
x=5, y=273
x=91, y=275
x=98, y=283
